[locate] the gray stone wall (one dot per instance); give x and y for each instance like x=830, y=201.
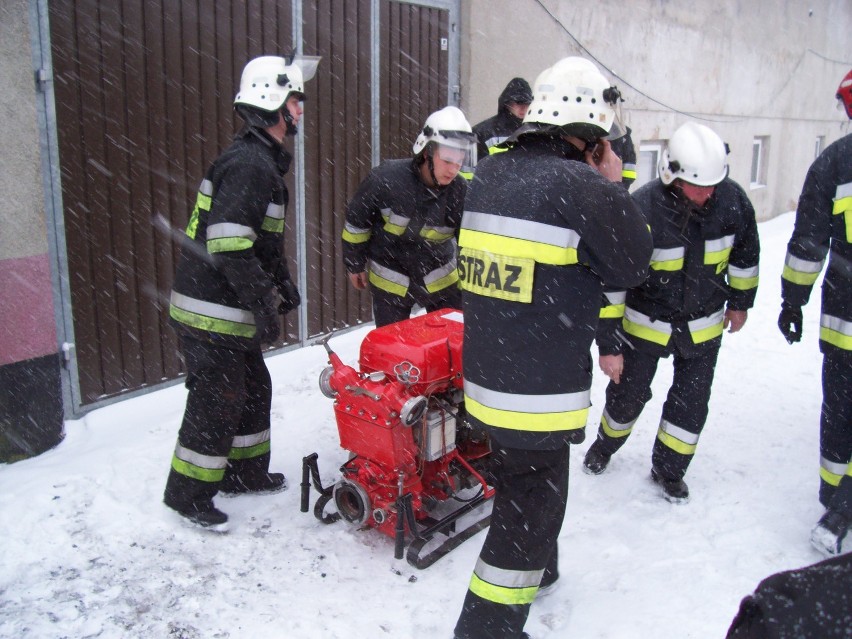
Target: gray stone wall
x=21, y=192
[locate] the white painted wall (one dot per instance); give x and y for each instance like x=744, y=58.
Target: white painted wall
x=745, y=68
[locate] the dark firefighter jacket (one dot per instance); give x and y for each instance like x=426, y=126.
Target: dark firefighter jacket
x=703, y=260
x=233, y=251
x=814, y=601
x=824, y=229
x=542, y=232
x=404, y=231
x=497, y=128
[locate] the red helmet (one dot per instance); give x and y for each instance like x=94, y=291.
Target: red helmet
x=844, y=93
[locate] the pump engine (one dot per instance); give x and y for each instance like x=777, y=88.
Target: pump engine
x=417, y=469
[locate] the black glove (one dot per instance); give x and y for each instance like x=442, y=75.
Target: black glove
x=266, y=318
x=290, y=297
x=790, y=322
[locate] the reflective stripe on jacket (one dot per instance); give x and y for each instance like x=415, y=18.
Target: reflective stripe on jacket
x=403, y=230
x=542, y=231
x=823, y=232
x=703, y=262
x=233, y=250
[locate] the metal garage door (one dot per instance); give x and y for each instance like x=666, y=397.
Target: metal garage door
x=143, y=96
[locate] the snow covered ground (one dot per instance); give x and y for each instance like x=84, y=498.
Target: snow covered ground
x=88, y=549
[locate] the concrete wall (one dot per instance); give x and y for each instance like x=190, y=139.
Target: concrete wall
x=745, y=68
x=27, y=324
x=31, y=410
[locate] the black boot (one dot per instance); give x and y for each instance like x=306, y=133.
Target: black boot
x=205, y=515
x=596, y=461
x=829, y=532
x=265, y=483
x=674, y=490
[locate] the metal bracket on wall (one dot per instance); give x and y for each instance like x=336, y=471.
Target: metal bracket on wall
x=42, y=77
x=67, y=355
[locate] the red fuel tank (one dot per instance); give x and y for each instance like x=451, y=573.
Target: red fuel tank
x=424, y=352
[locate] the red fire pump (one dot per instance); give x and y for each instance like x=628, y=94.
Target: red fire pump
x=415, y=462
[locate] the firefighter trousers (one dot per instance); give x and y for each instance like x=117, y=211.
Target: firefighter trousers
x=836, y=433
x=519, y=552
x=389, y=308
x=225, y=430
x=684, y=411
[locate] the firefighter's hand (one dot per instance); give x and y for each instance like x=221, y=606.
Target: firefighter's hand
x=612, y=366
x=734, y=320
x=604, y=160
x=359, y=280
x=266, y=320
x=290, y=297
x=790, y=322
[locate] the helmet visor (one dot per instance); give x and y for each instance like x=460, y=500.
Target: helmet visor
x=458, y=139
x=462, y=154
x=618, y=129
x=307, y=65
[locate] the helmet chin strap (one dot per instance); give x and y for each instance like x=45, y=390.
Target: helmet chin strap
x=590, y=144
x=288, y=120
x=431, y=164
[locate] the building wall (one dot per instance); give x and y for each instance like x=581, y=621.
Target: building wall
x=27, y=327
x=30, y=393
x=744, y=68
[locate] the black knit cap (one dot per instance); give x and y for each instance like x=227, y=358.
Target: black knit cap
x=518, y=90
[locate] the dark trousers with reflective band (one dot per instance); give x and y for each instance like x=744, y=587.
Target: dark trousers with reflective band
x=836, y=429
x=529, y=506
x=686, y=404
x=230, y=395
x=389, y=308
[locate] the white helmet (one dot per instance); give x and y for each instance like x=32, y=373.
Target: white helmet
x=694, y=154
x=448, y=127
x=574, y=96
x=269, y=80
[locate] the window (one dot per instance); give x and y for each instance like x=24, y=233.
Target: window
x=818, y=145
x=646, y=164
x=759, y=150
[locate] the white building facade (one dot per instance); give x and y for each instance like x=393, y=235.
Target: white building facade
x=762, y=73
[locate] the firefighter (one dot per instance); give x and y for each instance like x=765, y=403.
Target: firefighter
x=824, y=229
x=231, y=285
x=546, y=224
x=512, y=106
x=401, y=224
x=703, y=279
